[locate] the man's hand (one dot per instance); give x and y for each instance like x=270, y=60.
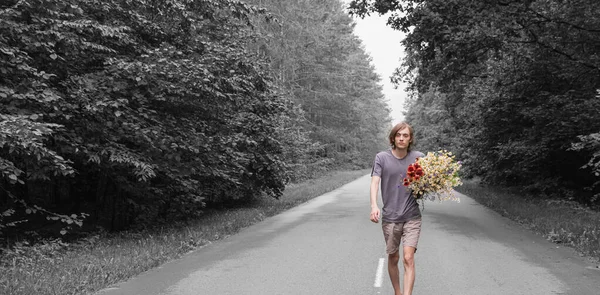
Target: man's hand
x=375, y=213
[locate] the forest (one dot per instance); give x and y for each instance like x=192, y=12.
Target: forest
x=512, y=87
x=123, y=113
x=126, y=113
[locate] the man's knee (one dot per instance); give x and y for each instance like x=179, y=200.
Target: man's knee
x=409, y=256
x=409, y=259
x=394, y=258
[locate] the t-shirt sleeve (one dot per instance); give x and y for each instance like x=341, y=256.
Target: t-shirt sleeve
x=377, y=166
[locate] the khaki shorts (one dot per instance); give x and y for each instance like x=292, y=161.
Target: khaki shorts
x=405, y=232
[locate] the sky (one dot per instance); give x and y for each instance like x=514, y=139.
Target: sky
x=382, y=43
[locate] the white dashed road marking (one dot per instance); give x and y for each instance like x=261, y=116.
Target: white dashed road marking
x=379, y=273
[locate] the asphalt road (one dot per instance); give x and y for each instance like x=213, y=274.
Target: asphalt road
x=329, y=246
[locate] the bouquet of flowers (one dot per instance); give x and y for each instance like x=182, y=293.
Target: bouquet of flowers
x=434, y=176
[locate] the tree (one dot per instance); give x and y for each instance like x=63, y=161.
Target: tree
x=141, y=109
x=516, y=81
x=323, y=67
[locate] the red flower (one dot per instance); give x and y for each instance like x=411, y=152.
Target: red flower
x=412, y=173
x=419, y=172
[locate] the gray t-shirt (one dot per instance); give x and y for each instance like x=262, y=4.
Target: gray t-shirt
x=398, y=203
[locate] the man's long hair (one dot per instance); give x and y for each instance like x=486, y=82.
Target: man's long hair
x=398, y=127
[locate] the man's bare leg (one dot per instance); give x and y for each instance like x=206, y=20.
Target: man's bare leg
x=394, y=272
x=409, y=269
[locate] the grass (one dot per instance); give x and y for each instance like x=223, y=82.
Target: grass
x=98, y=261
x=560, y=221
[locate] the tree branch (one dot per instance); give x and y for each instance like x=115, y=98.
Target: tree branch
x=571, y=57
x=564, y=22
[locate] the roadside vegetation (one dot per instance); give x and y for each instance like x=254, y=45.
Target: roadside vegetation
x=560, y=221
x=120, y=113
x=512, y=89
x=101, y=259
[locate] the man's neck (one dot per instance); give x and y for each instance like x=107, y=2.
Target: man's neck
x=399, y=153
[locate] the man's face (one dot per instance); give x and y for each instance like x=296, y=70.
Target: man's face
x=402, y=138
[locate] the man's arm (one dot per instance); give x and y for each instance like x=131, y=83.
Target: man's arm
x=375, y=213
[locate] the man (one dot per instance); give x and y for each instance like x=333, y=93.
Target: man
x=401, y=217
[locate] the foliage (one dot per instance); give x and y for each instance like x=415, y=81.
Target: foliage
x=591, y=143
x=135, y=109
x=135, y=112
x=324, y=69
x=508, y=85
